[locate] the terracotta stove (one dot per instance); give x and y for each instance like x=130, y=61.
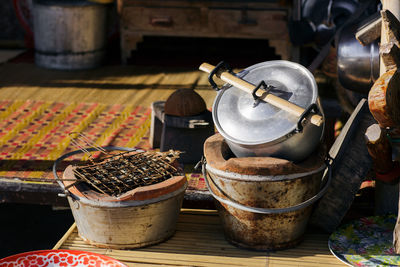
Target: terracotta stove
x=114, y=218
x=262, y=201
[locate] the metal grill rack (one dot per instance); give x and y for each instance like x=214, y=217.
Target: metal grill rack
x=125, y=171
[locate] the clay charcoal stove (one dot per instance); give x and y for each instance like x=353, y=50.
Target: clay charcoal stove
x=127, y=199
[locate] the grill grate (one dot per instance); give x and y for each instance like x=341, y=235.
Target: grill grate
x=125, y=171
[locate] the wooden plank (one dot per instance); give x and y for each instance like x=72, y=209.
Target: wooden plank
x=212, y=249
x=205, y=4
x=174, y=258
x=268, y=24
x=305, y=262
x=162, y=19
x=369, y=32
x=301, y=264
x=226, y=19
x=350, y=167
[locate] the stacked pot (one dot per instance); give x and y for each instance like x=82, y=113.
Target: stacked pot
x=265, y=166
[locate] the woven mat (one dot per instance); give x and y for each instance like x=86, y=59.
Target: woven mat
x=33, y=134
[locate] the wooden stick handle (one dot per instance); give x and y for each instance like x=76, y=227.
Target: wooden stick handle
x=274, y=100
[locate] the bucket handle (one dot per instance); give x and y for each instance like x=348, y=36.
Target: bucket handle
x=231, y=202
x=69, y=154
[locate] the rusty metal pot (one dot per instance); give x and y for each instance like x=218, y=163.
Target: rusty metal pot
x=264, y=203
x=254, y=128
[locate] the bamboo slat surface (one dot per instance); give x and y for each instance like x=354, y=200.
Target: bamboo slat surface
x=115, y=84
x=199, y=241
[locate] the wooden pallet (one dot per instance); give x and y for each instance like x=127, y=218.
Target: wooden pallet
x=199, y=241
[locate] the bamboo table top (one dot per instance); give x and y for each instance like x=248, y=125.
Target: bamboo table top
x=199, y=241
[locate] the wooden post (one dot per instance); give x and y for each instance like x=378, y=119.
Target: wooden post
x=384, y=104
x=386, y=38
x=394, y=7
x=351, y=165
x=379, y=149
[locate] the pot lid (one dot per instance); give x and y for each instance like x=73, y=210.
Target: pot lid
x=239, y=118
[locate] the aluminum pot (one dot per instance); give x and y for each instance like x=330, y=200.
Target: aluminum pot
x=254, y=128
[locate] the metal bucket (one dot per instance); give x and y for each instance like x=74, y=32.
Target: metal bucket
x=262, y=212
x=69, y=34
x=124, y=224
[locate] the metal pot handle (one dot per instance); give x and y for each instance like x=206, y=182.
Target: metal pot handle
x=231, y=202
x=67, y=155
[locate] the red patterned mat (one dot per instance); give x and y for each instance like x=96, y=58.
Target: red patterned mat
x=33, y=134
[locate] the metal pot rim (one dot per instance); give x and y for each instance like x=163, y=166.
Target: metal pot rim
x=262, y=178
x=247, y=143
x=128, y=203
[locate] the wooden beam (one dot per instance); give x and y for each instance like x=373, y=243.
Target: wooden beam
x=350, y=167
x=390, y=33
x=369, y=32
x=393, y=98
x=384, y=96
x=390, y=54
x=391, y=26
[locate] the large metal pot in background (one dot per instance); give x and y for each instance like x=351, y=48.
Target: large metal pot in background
x=255, y=128
x=69, y=34
x=358, y=65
